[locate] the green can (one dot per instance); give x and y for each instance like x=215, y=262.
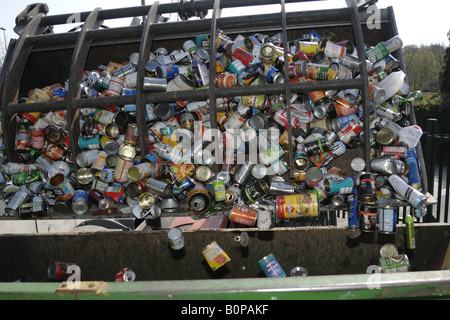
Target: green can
x=399, y=263
x=220, y=192
x=22, y=178
x=410, y=232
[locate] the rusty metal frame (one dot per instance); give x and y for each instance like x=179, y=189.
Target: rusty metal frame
x=91, y=35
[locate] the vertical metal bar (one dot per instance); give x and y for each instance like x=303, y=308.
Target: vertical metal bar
x=441, y=141
x=359, y=38
x=144, y=54
x=212, y=72
x=430, y=159
x=11, y=86
x=447, y=188
x=287, y=89
x=79, y=59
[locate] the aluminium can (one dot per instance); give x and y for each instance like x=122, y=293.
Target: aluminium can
x=176, y=238
x=80, y=202
x=399, y=263
x=368, y=217
x=219, y=190
x=37, y=207
x=367, y=188
x=60, y=270
x=198, y=199
x=99, y=200
x=215, y=256
x=13, y=207
x=125, y=275
x=140, y=171
x=255, y=191
x=272, y=269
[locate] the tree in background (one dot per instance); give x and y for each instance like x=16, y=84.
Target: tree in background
x=445, y=74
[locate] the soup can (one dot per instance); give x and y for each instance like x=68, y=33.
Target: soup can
x=62, y=187
x=116, y=193
x=215, y=256
x=243, y=215
x=122, y=167
x=176, y=239
x=272, y=269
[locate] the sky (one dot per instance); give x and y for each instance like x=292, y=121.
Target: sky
x=419, y=22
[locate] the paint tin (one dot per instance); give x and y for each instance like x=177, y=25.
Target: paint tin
x=176, y=238
x=368, y=217
x=215, y=256
x=298, y=205
x=60, y=270
x=61, y=186
x=121, y=171
x=80, y=202
x=399, y=263
x=125, y=275
x=244, y=215
x=271, y=267
x=387, y=218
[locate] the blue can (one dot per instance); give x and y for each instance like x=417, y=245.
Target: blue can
x=339, y=186
x=353, y=221
x=92, y=143
x=413, y=173
x=202, y=41
x=271, y=267
x=167, y=72
x=387, y=218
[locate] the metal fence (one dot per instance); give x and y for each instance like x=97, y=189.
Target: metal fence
x=436, y=151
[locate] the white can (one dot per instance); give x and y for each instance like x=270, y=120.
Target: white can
x=176, y=239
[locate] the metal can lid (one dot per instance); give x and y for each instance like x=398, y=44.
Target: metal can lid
x=314, y=174
x=127, y=151
x=84, y=176
x=203, y=173
x=299, y=272
x=224, y=176
x=259, y=171
x=174, y=233
x=61, y=207
x=358, y=164
x=146, y=200
x=385, y=136
x=388, y=250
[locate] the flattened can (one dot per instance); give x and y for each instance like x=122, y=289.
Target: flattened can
x=116, y=193
x=125, y=275
x=60, y=270
x=368, y=217
x=399, y=263
x=215, y=256
x=243, y=215
x=298, y=205
x=176, y=238
x=272, y=269
x=387, y=219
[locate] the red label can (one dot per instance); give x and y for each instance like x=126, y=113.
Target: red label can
x=224, y=80
x=117, y=194
x=37, y=138
x=349, y=131
x=61, y=270
x=125, y=275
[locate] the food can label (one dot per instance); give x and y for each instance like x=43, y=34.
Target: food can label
x=299, y=205
x=121, y=170
x=243, y=215
x=215, y=256
x=271, y=267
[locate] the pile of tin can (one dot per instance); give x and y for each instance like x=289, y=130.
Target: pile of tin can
x=241, y=167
